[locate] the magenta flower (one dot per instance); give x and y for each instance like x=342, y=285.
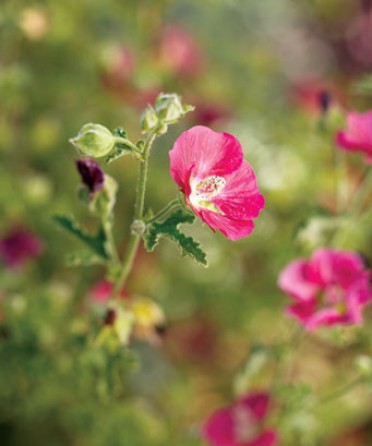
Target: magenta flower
x=241, y=423
x=178, y=51
x=358, y=135
x=19, y=245
x=331, y=288
x=101, y=292
x=91, y=175
x=219, y=185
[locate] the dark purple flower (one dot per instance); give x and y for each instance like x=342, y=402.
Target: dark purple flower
x=91, y=174
x=18, y=245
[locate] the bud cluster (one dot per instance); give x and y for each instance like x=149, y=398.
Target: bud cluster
x=168, y=110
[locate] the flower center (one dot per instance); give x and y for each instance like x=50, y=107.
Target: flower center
x=203, y=191
x=332, y=296
x=245, y=426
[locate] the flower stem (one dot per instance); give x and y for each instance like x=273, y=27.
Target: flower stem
x=172, y=204
x=134, y=240
x=107, y=227
x=356, y=204
x=342, y=391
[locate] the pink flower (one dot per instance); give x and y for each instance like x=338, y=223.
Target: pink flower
x=331, y=288
x=118, y=65
x=315, y=97
x=240, y=424
x=101, y=292
x=178, y=51
x=219, y=185
x=19, y=245
x=358, y=135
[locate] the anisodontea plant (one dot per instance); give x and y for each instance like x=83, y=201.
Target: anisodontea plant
x=216, y=184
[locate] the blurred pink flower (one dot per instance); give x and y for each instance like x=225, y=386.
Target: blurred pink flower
x=19, y=245
x=331, y=288
x=178, y=51
x=358, y=134
x=118, y=66
x=101, y=292
x=315, y=96
x=359, y=39
x=208, y=114
x=219, y=185
x=240, y=424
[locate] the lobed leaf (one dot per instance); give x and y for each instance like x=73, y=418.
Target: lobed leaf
x=169, y=228
x=95, y=242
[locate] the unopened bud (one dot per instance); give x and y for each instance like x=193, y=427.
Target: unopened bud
x=94, y=140
x=149, y=119
x=170, y=109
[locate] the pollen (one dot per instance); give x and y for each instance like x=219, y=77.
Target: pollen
x=203, y=191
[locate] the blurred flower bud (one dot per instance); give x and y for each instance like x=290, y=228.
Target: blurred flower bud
x=170, y=109
x=91, y=174
x=94, y=140
x=149, y=120
x=149, y=319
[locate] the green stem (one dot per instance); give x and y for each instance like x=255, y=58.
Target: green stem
x=167, y=208
x=137, y=152
x=107, y=227
x=354, y=207
x=281, y=367
x=341, y=392
x=134, y=240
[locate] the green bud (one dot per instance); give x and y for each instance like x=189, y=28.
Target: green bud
x=94, y=140
x=170, y=109
x=149, y=120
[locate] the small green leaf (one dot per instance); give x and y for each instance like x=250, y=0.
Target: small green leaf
x=120, y=150
x=95, y=243
x=121, y=132
x=169, y=229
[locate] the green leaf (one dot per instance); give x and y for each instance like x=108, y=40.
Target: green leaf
x=170, y=229
x=119, y=150
x=95, y=243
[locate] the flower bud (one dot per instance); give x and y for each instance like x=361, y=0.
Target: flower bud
x=169, y=108
x=149, y=120
x=94, y=140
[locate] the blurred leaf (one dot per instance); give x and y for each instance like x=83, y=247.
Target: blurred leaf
x=95, y=243
x=83, y=258
x=363, y=85
x=169, y=229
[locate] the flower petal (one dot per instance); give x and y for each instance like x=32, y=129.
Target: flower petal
x=358, y=134
x=219, y=428
x=206, y=152
x=267, y=438
x=232, y=229
x=240, y=199
x=329, y=266
x=294, y=280
x=258, y=404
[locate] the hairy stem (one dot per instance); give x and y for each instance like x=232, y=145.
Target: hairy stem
x=134, y=240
